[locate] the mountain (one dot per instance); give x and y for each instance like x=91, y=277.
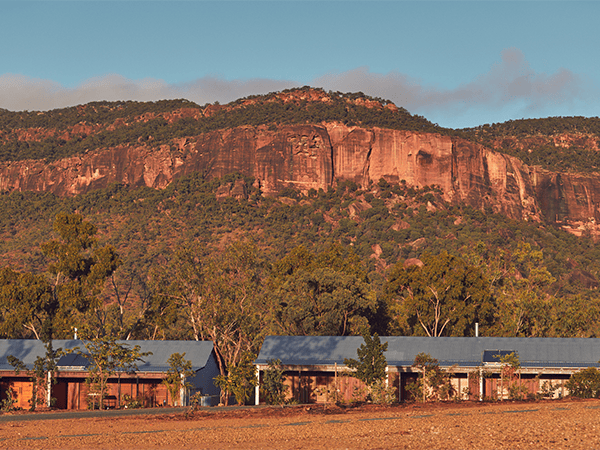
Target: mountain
x=322, y=181
x=305, y=139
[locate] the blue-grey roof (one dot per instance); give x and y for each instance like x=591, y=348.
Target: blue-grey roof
x=27, y=350
x=463, y=351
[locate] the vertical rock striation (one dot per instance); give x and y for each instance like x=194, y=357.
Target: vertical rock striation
x=313, y=156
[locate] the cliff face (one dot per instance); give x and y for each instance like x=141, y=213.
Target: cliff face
x=313, y=156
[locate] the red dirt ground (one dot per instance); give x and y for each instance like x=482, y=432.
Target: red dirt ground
x=568, y=424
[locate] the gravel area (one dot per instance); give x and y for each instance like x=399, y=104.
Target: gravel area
x=469, y=425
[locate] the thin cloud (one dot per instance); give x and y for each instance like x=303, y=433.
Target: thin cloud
x=510, y=84
x=18, y=93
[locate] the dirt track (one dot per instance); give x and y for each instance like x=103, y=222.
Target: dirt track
x=556, y=424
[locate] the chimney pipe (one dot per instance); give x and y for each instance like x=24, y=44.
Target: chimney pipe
x=476, y=329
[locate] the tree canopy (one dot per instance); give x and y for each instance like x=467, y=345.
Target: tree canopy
x=442, y=296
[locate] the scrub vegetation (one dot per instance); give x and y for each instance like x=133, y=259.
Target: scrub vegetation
x=139, y=263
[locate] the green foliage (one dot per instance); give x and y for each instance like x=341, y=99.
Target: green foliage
x=107, y=358
x=322, y=294
x=110, y=124
x=444, y=296
x=510, y=373
x=273, y=383
x=434, y=382
x=240, y=380
x=585, y=383
x=219, y=297
x=131, y=403
x=8, y=403
x=78, y=267
x=371, y=364
x=532, y=141
x=41, y=375
x=381, y=394
x=541, y=279
x=179, y=369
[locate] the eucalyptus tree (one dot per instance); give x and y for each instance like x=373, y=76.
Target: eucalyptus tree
x=219, y=297
x=327, y=293
x=50, y=305
x=443, y=296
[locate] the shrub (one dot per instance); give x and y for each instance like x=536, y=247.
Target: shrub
x=273, y=383
x=585, y=383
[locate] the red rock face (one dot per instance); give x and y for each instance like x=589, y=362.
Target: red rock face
x=313, y=156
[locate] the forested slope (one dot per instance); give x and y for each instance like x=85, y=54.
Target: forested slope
x=215, y=258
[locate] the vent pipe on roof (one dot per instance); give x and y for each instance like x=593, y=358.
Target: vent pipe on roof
x=476, y=329
x=75, y=334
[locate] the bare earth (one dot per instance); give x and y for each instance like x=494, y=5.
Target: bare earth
x=507, y=425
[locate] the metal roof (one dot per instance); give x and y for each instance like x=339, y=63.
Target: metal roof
x=27, y=350
x=462, y=351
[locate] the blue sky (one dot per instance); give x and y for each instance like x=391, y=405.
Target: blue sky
x=459, y=64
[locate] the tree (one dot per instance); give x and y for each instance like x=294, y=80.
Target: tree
x=41, y=375
x=179, y=369
x=519, y=283
x=510, y=372
x=525, y=307
x=370, y=368
x=50, y=308
x=107, y=358
x=79, y=267
x=239, y=381
x=25, y=302
x=221, y=298
x=442, y=297
x=127, y=309
x=434, y=382
x=323, y=294
x=371, y=363
x=273, y=383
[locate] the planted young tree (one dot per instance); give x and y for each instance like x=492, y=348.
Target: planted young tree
x=434, y=382
x=510, y=372
x=107, y=358
x=240, y=380
x=370, y=367
x=273, y=383
x=175, y=381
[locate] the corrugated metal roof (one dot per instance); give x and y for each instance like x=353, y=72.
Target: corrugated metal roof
x=532, y=352
x=27, y=350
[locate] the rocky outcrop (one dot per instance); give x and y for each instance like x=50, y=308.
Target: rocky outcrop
x=314, y=156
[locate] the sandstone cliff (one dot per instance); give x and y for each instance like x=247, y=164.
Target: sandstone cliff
x=314, y=156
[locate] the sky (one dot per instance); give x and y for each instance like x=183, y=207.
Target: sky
x=457, y=63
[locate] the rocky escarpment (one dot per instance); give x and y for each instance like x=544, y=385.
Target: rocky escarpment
x=314, y=156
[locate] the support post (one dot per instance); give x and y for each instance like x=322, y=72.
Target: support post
x=399, y=386
x=480, y=384
x=49, y=390
x=182, y=391
x=257, y=387
x=387, y=377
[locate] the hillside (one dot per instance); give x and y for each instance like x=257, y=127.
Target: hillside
x=381, y=226
x=307, y=139
x=312, y=182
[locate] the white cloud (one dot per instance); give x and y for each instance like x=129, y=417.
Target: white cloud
x=19, y=93
x=510, y=84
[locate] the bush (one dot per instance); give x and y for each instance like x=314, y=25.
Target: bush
x=585, y=383
x=273, y=383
